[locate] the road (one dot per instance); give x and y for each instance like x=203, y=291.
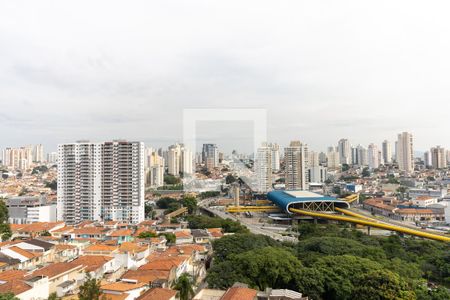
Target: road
x=256, y=229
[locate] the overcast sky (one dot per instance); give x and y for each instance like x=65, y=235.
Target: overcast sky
x=324, y=70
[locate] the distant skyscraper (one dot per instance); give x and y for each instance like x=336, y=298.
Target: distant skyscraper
x=275, y=148
x=263, y=168
x=427, y=159
x=18, y=158
x=363, y=157
x=387, y=152
x=438, y=157
x=344, y=151
x=52, y=158
x=174, y=160
x=296, y=166
x=333, y=160
x=405, y=152
x=372, y=152
x=101, y=181
x=313, y=160
x=210, y=155
x=38, y=153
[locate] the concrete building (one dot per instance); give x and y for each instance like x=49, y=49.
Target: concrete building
x=263, y=168
x=318, y=174
x=296, y=166
x=333, y=160
x=438, y=157
x=427, y=159
x=387, y=152
x=52, y=158
x=38, y=153
x=101, y=181
x=344, y=151
x=275, y=149
x=373, y=157
x=210, y=156
x=25, y=210
x=405, y=152
x=18, y=158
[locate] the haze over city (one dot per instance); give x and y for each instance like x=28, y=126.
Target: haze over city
x=323, y=70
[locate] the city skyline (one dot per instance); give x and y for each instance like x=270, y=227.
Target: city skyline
x=321, y=71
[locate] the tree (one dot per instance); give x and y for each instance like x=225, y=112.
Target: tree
x=53, y=185
x=149, y=212
x=147, y=235
x=90, y=289
x=170, y=179
x=240, y=243
x=260, y=268
x=5, y=229
x=345, y=167
x=381, y=284
x=170, y=237
x=8, y=296
x=230, y=179
x=53, y=296
x=184, y=285
x=46, y=233
x=365, y=172
x=190, y=203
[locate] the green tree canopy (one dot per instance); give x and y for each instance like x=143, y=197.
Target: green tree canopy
x=184, y=286
x=90, y=289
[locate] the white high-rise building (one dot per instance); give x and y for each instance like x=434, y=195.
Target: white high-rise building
x=263, y=168
x=187, y=161
x=180, y=159
x=38, y=153
x=333, y=162
x=373, y=157
x=174, y=160
x=363, y=156
x=101, y=181
x=405, y=152
x=344, y=151
x=296, y=165
x=387, y=152
x=155, y=176
x=275, y=148
x=438, y=157
x=313, y=160
x=52, y=158
x=18, y=158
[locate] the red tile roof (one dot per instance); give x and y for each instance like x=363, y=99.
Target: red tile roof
x=158, y=294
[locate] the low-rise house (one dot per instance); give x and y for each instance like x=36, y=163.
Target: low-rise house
x=97, y=265
x=183, y=237
x=58, y=273
x=130, y=290
x=201, y=236
x=424, y=201
x=158, y=294
x=215, y=233
x=121, y=235
x=32, y=288
x=150, y=276
x=34, y=229
x=90, y=232
x=26, y=258
x=101, y=249
x=66, y=252
x=132, y=255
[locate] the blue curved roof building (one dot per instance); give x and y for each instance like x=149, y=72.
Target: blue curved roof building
x=305, y=200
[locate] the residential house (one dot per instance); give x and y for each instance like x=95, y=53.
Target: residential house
x=158, y=294
x=127, y=291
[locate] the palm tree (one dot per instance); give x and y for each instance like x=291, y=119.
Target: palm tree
x=184, y=286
